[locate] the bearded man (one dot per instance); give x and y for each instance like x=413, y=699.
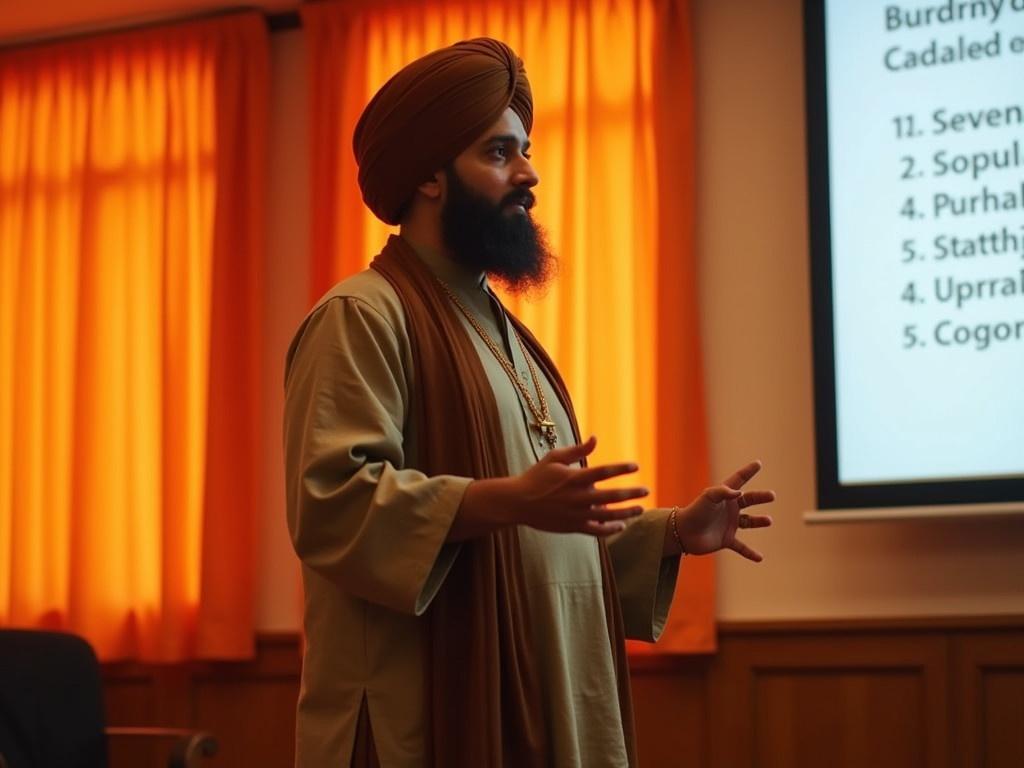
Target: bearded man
x=469, y=585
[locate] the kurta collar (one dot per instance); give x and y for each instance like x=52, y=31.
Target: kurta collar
x=462, y=281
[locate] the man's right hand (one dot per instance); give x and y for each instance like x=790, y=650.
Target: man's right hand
x=552, y=495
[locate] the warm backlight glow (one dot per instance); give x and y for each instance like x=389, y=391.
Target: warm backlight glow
x=109, y=172
x=604, y=319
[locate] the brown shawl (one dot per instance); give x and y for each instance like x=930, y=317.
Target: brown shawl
x=485, y=697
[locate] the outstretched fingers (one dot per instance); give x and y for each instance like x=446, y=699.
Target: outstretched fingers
x=746, y=551
x=750, y=498
x=600, y=497
x=592, y=475
x=743, y=475
x=610, y=514
x=595, y=528
x=571, y=453
x=719, y=493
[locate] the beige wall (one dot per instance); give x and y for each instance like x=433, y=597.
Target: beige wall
x=752, y=243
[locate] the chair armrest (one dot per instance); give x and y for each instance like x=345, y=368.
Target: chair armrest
x=189, y=746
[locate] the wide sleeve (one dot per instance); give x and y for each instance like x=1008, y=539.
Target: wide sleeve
x=646, y=580
x=356, y=514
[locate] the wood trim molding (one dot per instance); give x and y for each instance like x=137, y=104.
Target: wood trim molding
x=874, y=624
x=937, y=692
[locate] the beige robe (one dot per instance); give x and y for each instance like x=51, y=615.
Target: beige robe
x=371, y=535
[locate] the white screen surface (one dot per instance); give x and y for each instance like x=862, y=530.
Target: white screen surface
x=926, y=162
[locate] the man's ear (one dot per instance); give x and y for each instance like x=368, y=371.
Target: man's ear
x=433, y=188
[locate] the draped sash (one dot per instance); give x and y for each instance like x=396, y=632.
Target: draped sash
x=484, y=693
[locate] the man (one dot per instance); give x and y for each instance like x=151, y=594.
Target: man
x=468, y=584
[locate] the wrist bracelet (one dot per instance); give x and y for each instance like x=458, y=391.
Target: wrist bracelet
x=675, y=531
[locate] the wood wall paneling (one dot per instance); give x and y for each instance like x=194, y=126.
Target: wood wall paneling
x=901, y=693
x=670, y=709
x=268, y=687
x=820, y=699
x=988, y=699
x=130, y=698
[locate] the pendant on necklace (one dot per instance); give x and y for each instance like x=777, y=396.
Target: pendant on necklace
x=547, y=431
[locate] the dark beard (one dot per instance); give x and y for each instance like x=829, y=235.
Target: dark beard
x=509, y=246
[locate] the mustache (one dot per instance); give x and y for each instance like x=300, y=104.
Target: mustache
x=523, y=197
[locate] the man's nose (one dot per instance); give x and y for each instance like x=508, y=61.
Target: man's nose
x=525, y=175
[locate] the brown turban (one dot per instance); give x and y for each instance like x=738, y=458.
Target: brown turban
x=429, y=113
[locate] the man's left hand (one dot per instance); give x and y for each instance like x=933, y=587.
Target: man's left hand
x=711, y=521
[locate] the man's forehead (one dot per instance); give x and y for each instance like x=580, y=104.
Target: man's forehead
x=508, y=127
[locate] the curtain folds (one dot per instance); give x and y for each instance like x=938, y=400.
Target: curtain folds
x=613, y=144
x=131, y=247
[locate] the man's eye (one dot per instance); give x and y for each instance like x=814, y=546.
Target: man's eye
x=498, y=152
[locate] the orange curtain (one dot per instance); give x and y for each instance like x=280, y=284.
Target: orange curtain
x=613, y=145
x=131, y=213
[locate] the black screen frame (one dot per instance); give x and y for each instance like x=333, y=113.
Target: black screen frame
x=832, y=494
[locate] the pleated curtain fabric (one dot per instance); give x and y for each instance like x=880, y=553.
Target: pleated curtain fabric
x=132, y=191
x=613, y=144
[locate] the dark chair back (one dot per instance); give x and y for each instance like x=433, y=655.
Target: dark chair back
x=51, y=701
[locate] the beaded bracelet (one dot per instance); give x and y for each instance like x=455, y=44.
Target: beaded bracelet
x=675, y=531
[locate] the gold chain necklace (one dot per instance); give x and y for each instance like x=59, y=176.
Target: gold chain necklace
x=541, y=414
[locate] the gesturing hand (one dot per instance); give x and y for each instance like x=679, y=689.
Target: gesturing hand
x=554, y=496
x=711, y=521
